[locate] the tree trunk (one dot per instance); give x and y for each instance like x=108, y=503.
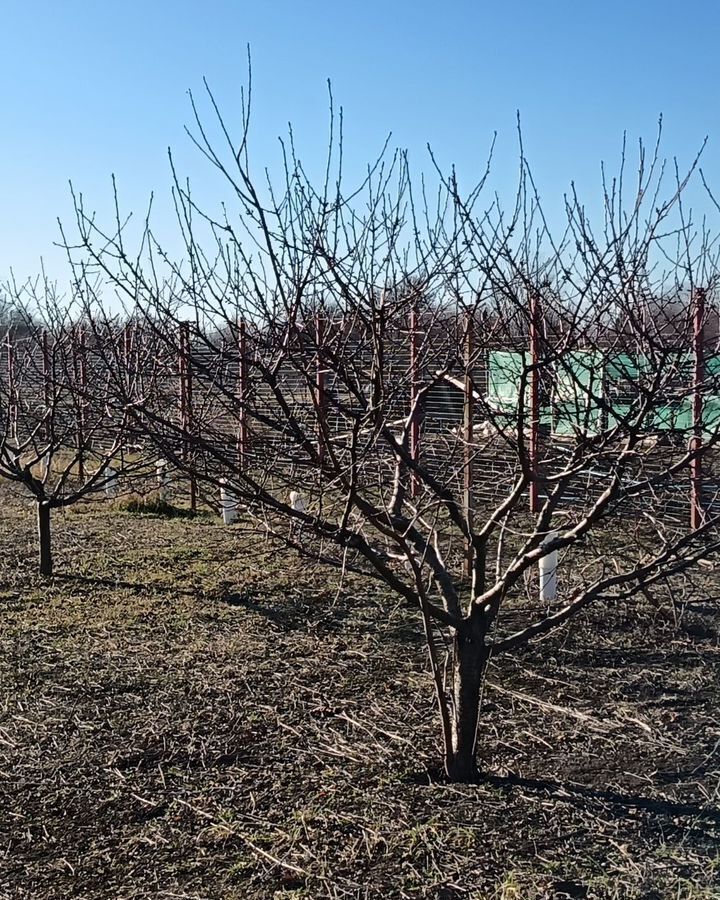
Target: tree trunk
x=470, y=655
x=43, y=518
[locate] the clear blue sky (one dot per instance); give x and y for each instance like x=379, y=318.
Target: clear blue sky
x=88, y=89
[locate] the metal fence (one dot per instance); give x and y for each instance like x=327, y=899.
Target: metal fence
x=208, y=385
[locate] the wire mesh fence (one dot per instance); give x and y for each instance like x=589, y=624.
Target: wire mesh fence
x=235, y=398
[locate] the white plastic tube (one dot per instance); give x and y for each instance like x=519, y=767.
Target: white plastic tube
x=228, y=503
x=161, y=477
x=548, y=572
x=297, y=502
x=111, y=484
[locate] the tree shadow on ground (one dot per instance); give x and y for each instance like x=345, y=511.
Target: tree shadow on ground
x=327, y=618
x=288, y=618
x=616, y=657
x=292, y=616
x=137, y=586
x=615, y=804
x=620, y=803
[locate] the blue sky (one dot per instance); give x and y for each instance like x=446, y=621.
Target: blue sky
x=88, y=89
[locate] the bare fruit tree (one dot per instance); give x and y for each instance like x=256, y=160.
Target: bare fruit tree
x=443, y=394
x=64, y=379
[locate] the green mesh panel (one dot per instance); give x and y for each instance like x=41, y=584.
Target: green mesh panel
x=505, y=370
x=618, y=412
x=711, y=415
x=579, y=379
x=504, y=376
x=674, y=416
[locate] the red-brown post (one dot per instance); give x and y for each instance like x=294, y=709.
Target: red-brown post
x=320, y=397
x=126, y=347
x=127, y=351
x=414, y=391
x=697, y=515
x=11, y=386
x=534, y=439
x=186, y=406
x=242, y=392
x=468, y=434
x=46, y=384
x=82, y=381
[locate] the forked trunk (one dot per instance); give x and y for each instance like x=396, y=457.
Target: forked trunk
x=43, y=518
x=470, y=655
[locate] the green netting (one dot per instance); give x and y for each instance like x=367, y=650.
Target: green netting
x=505, y=370
x=583, y=377
x=711, y=415
x=578, y=382
x=618, y=413
x=572, y=417
x=625, y=368
x=622, y=372
x=674, y=416
x=679, y=416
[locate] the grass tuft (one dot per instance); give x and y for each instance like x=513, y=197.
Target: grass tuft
x=152, y=505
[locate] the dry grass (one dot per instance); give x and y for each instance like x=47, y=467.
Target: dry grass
x=151, y=504
x=188, y=713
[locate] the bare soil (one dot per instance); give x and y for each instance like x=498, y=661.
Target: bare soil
x=188, y=712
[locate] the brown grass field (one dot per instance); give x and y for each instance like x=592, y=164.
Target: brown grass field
x=189, y=712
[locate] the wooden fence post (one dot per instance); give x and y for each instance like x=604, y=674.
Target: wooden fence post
x=533, y=444
x=414, y=392
x=186, y=405
x=46, y=385
x=81, y=375
x=242, y=392
x=12, y=399
x=468, y=434
x=127, y=347
x=697, y=516
x=320, y=388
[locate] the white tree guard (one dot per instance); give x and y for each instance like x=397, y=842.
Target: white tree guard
x=548, y=572
x=161, y=476
x=228, y=504
x=111, y=484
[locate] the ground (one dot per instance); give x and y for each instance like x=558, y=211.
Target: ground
x=186, y=712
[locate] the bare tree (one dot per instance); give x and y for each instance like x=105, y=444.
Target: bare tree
x=64, y=379
x=441, y=393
